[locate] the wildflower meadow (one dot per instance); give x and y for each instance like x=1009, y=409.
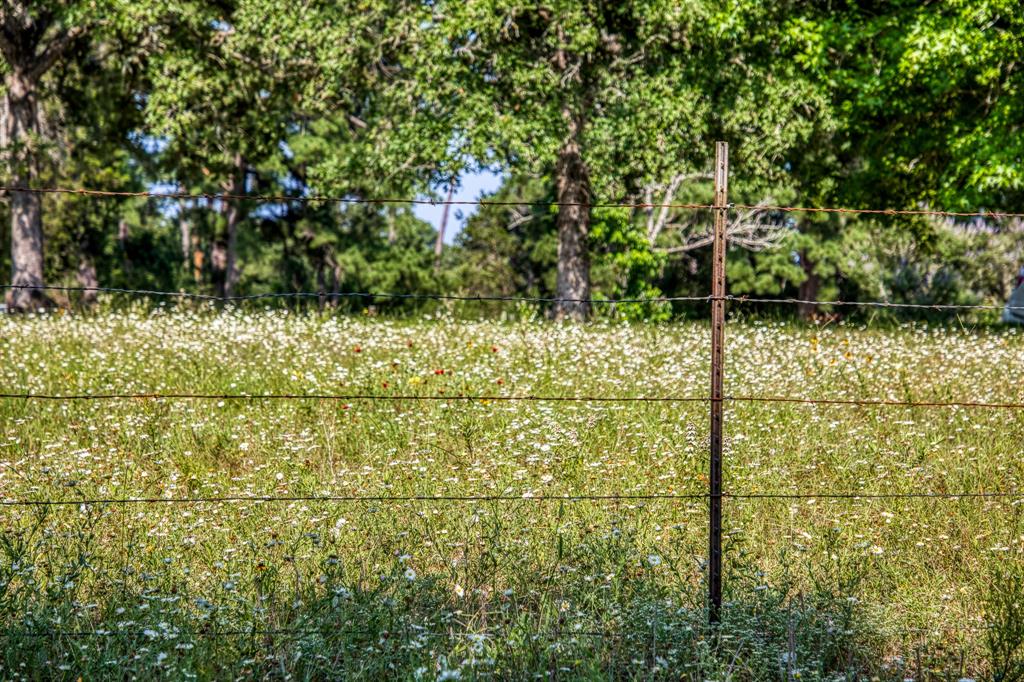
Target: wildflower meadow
x=446, y=538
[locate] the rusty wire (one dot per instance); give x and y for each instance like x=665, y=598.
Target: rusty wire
x=369, y=295
x=323, y=631
x=881, y=211
x=868, y=402
x=308, y=199
x=350, y=397
x=328, y=631
x=354, y=397
x=283, y=198
x=875, y=304
x=327, y=295
x=524, y=497
x=223, y=499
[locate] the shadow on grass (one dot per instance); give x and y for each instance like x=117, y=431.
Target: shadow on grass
x=601, y=612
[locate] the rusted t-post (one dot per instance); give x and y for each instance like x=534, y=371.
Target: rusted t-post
x=717, y=361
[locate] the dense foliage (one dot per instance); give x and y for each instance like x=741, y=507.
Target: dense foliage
x=889, y=104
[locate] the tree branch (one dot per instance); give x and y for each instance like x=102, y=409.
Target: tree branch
x=749, y=230
x=519, y=217
x=655, y=226
x=57, y=47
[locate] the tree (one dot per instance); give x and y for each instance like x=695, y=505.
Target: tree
x=261, y=96
x=613, y=98
x=510, y=247
x=220, y=112
x=933, y=95
x=34, y=37
x=923, y=109
x=70, y=72
x=594, y=93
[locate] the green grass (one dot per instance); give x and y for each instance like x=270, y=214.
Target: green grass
x=530, y=587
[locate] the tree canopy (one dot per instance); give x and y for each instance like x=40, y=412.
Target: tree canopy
x=883, y=105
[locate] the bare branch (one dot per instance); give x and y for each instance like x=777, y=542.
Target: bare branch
x=655, y=226
x=519, y=218
x=670, y=193
x=700, y=242
x=571, y=73
x=751, y=230
x=467, y=49
x=649, y=199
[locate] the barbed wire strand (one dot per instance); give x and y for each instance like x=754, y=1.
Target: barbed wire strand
x=327, y=632
x=283, y=198
x=349, y=397
x=157, y=634
x=879, y=211
x=875, y=304
x=324, y=631
x=355, y=294
x=325, y=199
x=868, y=402
x=355, y=397
x=525, y=497
x=369, y=295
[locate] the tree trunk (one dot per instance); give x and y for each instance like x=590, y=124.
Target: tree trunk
x=573, y=186
x=23, y=25
x=389, y=216
x=233, y=216
x=198, y=260
x=219, y=266
x=439, y=244
x=21, y=123
x=87, y=278
x=808, y=289
x=185, y=228
x=321, y=283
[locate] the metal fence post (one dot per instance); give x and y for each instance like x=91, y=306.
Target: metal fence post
x=717, y=361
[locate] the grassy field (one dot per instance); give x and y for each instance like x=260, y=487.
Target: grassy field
x=522, y=587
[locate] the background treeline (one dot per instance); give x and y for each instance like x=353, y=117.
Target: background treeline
x=898, y=104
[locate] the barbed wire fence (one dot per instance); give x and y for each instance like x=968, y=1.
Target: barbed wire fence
x=715, y=399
